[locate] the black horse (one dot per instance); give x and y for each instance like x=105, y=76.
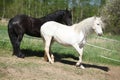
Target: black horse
x=23, y=24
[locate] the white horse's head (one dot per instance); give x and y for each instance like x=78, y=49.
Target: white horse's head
x=97, y=27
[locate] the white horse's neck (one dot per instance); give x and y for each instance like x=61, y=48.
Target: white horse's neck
x=85, y=26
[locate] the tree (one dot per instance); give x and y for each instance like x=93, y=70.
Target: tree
x=111, y=15
x=85, y=8
x=3, y=7
x=81, y=9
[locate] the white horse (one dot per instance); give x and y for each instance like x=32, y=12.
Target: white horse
x=74, y=35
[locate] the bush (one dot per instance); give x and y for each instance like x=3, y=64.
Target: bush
x=111, y=15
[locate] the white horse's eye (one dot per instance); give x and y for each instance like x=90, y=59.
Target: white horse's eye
x=98, y=24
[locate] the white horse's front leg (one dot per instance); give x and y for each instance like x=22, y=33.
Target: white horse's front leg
x=80, y=51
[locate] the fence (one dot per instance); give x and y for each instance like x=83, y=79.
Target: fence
x=109, y=50
x=99, y=47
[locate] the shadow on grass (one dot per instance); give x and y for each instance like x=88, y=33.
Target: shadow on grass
x=58, y=58
x=104, y=68
x=30, y=53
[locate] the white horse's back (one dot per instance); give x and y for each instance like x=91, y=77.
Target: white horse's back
x=51, y=26
x=61, y=33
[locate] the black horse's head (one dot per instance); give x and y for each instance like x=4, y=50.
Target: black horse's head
x=67, y=17
x=61, y=16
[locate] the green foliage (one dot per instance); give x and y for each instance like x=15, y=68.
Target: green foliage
x=35, y=8
x=3, y=7
x=111, y=15
x=38, y=8
x=85, y=8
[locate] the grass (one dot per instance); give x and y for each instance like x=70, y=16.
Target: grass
x=91, y=54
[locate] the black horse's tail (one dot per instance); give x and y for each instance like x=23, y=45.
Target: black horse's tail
x=10, y=28
x=10, y=23
x=12, y=33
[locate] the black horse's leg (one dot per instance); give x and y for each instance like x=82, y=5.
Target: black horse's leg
x=17, y=46
x=15, y=41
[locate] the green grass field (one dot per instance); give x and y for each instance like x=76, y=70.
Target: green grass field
x=91, y=54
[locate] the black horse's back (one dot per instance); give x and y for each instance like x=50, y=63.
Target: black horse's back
x=26, y=24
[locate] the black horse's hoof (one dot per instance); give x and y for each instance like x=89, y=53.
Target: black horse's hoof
x=21, y=56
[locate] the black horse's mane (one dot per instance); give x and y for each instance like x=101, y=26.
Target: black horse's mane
x=56, y=14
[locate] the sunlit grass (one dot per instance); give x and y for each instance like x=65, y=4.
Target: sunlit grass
x=90, y=54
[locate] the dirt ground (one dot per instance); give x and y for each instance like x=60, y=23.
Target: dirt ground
x=35, y=68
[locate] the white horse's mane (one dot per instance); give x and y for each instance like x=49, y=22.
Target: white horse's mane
x=85, y=25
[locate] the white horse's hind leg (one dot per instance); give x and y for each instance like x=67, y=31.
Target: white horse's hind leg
x=47, y=47
x=52, y=57
x=80, y=51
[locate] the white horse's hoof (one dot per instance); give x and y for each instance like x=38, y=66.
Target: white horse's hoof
x=77, y=64
x=82, y=67
x=52, y=57
x=51, y=62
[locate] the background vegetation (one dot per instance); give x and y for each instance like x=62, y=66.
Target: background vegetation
x=38, y=8
x=108, y=9
x=111, y=13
